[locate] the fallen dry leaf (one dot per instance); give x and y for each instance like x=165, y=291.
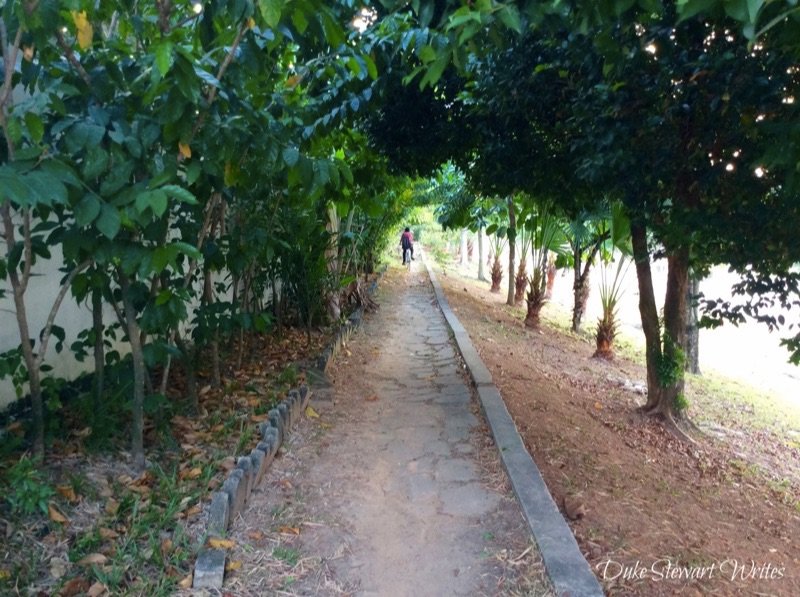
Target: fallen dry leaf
x=186, y=583
x=166, y=547
x=58, y=568
x=74, y=587
x=311, y=413
x=371, y=398
x=193, y=473
x=96, y=590
x=91, y=559
x=255, y=535
x=194, y=510
x=233, y=565
x=67, y=492
x=112, y=506
x=85, y=432
x=107, y=533
x=55, y=515
x=289, y=530
x=215, y=543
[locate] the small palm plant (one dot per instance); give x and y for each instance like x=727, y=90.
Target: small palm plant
x=546, y=237
x=535, y=299
x=498, y=242
x=610, y=295
x=521, y=281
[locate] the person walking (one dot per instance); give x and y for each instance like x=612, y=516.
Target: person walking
x=407, y=243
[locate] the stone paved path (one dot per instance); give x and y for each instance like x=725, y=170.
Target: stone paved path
x=391, y=487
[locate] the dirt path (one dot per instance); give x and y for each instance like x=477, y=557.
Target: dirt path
x=395, y=488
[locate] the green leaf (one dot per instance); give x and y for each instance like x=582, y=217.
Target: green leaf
x=427, y=54
x=87, y=210
x=300, y=21
x=35, y=126
x=290, y=156
x=163, y=256
x=164, y=57
x=193, y=171
x=95, y=162
x=333, y=32
x=163, y=297
x=753, y=8
x=689, y=8
x=509, y=15
x=206, y=77
x=271, y=11
x=13, y=130
x=371, y=68
x=158, y=202
x=109, y=222
x=45, y=189
x=179, y=193
x=187, y=249
x=435, y=71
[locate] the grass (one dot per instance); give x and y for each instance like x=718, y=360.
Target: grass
x=288, y=555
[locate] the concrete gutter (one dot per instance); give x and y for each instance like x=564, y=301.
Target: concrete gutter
x=568, y=570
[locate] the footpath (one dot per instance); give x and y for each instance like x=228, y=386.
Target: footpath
x=392, y=485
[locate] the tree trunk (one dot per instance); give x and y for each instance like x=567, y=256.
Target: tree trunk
x=463, y=248
x=139, y=373
x=512, y=253
x=189, y=353
x=535, y=298
x=577, y=289
x=497, y=274
x=551, y=280
x=521, y=281
x=18, y=291
x=481, y=273
x=99, y=350
x=208, y=296
x=648, y=312
x=673, y=356
x=692, y=327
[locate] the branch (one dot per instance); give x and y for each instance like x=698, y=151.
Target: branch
x=212, y=94
x=72, y=59
x=26, y=239
x=10, y=61
x=48, y=328
x=201, y=237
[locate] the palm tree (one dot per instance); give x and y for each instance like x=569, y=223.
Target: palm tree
x=616, y=247
x=521, y=281
x=547, y=236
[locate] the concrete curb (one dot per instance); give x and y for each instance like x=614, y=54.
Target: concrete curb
x=568, y=570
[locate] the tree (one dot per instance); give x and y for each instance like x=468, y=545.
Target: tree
x=676, y=129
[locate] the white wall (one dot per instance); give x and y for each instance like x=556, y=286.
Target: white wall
x=42, y=291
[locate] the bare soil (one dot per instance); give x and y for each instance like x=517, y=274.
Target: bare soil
x=653, y=515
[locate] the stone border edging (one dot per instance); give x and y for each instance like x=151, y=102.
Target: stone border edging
x=209, y=568
x=567, y=569
x=347, y=329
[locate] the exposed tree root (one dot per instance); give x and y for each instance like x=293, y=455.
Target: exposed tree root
x=356, y=295
x=676, y=428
